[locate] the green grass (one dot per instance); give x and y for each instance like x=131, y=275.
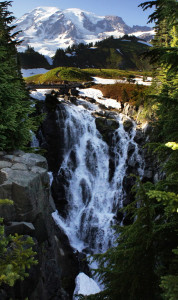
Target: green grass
x=59, y=74
x=33, y=79
x=114, y=73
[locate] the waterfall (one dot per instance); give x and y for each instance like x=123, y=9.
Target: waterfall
x=34, y=141
x=93, y=194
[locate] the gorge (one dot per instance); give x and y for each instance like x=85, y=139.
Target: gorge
x=92, y=151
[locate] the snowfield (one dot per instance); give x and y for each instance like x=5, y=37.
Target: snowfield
x=99, y=80
x=138, y=80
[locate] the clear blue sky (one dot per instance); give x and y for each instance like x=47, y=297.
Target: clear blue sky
x=127, y=9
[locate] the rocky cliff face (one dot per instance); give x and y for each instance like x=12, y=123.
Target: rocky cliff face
x=24, y=179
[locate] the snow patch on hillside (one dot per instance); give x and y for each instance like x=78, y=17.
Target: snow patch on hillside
x=145, y=43
x=98, y=96
x=99, y=80
x=138, y=80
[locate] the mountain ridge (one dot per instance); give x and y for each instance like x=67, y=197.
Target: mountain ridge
x=48, y=28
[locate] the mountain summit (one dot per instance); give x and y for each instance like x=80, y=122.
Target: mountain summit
x=49, y=28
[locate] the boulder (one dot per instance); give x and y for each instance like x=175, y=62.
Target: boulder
x=128, y=124
x=106, y=127
x=19, y=166
x=139, y=137
x=5, y=164
x=73, y=92
x=31, y=159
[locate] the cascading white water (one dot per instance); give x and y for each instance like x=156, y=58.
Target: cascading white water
x=93, y=197
x=34, y=141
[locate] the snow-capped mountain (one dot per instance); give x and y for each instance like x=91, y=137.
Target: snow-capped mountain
x=49, y=28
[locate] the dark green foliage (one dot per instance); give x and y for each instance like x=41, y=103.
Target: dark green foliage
x=165, y=55
x=31, y=59
x=105, y=55
x=169, y=283
x=61, y=59
x=16, y=254
x=15, y=107
x=131, y=270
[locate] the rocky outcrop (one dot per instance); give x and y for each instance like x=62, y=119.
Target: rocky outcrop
x=106, y=126
x=24, y=179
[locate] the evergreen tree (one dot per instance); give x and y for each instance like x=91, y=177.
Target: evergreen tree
x=15, y=107
x=165, y=55
x=61, y=59
x=32, y=59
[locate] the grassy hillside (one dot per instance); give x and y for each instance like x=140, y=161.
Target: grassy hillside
x=115, y=73
x=57, y=75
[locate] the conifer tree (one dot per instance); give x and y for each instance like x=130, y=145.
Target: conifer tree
x=15, y=107
x=165, y=55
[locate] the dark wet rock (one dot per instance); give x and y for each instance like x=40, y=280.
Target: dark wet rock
x=73, y=100
x=111, y=115
x=102, y=106
x=58, y=192
x=91, y=100
x=131, y=149
x=106, y=127
x=119, y=216
x=51, y=101
x=111, y=168
x=139, y=137
x=51, y=136
x=128, y=124
x=73, y=92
